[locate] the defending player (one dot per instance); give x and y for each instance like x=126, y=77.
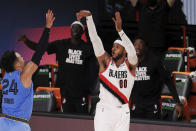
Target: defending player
x=17, y=87
x=116, y=76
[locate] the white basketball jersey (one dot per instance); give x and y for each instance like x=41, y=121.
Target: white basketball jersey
x=116, y=84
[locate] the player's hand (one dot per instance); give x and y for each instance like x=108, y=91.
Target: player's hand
x=83, y=13
x=22, y=38
x=118, y=21
x=179, y=110
x=49, y=19
x=78, y=17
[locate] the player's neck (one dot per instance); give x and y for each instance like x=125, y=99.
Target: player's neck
x=140, y=58
x=18, y=69
x=75, y=41
x=119, y=61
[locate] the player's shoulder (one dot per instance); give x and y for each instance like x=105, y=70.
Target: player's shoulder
x=62, y=40
x=65, y=41
x=16, y=72
x=62, y=43
x=87, y=46
x=84, y=43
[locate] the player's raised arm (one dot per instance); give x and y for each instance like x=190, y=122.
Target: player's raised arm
x=102, y=56
x=133, y=2
x=131, y=53
x=171, y=2
x=31, y=44
x=32, y=66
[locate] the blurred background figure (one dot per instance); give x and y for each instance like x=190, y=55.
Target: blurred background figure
x=150, y=76
x=75, y=68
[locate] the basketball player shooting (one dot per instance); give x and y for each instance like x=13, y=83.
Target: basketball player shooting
x=17, y=86
x=116, y=75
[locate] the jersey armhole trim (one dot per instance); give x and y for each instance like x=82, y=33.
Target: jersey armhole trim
x=106, y=66
x=129, y=69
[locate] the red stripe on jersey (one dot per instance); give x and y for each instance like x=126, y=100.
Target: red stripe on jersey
x=114, y=88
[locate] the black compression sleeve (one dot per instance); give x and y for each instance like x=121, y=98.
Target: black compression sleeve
x=32, y=45
x=42, y=46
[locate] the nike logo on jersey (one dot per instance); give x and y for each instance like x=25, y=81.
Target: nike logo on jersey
x=117, y=74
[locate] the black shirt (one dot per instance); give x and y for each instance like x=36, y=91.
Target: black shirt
x=152, y=22
x=150, y=75
x=73, y=62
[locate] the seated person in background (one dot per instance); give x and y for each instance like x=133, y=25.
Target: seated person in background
x=17, y=86
x=74, y=57
x=150, y=75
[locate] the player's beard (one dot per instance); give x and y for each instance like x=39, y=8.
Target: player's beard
x=119, y=56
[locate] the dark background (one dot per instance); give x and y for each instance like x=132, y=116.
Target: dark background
x=19, y=14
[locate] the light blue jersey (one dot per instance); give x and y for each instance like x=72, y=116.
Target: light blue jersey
x=17, y=100
x=10, y=125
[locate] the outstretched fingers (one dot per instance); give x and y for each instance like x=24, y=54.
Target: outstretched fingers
x=78, y=16
x=49, y=18
x=82, y=13
x=118, y=21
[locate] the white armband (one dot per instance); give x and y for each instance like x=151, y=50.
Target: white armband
x=95, y=39
x=128, y=45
